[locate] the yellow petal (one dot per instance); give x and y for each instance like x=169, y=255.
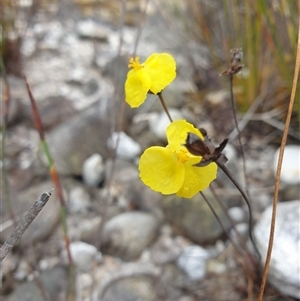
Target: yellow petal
x=160, y=170
x=161, y=68
x=137, y=85
x=177, y=133
x=197, y=179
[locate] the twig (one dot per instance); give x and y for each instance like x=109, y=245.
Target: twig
x=278, y=171
x=24, y=224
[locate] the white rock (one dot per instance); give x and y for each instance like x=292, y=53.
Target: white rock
x=92, y=30
x=84, y=256
x=93, y=170
x=237, y=214
x=126, y=147
x=284, y=270
x=193, y=261
x=240, y=232
x=79, y=200
x=159, y=123
x=290, y=172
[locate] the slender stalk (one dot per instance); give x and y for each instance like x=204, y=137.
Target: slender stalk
x=164, y=106
x=241, y=240
x=236, y=184
x=55, y=178
x=250, y=276
x=278, y=171
x=220, y=223
x=238, y=131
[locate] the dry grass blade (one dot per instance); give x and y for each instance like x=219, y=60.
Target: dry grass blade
x=278, y=172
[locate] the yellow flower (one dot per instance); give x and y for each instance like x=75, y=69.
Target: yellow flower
x=158, y=71
x=171, y=169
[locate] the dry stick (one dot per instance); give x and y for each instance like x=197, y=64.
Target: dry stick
x=24, y=223
x=278, y=172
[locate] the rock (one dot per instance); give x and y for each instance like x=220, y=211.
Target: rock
x=131, y=289
x=73, y=142
x=85, y=256
x=159, y=122
x=193, y=261
x=128, y=234
x=89, y=29
x=54, y=282
x=93, y=170
x=44, y=224
x=126, y=147
x=53, y=110
x=193, y=218
x=241, y=231
x=285, y=264
x=237, y=214
x=79, y=201
x=290, y=172
x=166, y=249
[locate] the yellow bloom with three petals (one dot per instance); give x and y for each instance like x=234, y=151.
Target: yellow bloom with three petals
x=158, y=71
x=171, y=169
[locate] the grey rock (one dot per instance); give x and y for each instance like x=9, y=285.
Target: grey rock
x=93, y=170
x=53, y=110
x=44, y=224
x=290, y=172
x=79, y=200
x=131, y=289
x=285, y=264
x=193, y=218
x=85, y=256
x=73, y=142
x=166, y=249
x=89, y=29
x=193, y=261
x=54, y=282
x=126, y=147
x=128, y=234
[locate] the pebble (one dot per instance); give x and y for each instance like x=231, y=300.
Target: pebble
x=93, y=170
x=193, y=261
x=193, y=218
x=285, y=264
x=79, y=200
x=89, y=29
x=237, y=214
x=128, y=234
x=158, y=123
x=240, y=231
x=85, y=256
x=126, y=147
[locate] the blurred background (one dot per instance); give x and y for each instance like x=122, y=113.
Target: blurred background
x=128, y=242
